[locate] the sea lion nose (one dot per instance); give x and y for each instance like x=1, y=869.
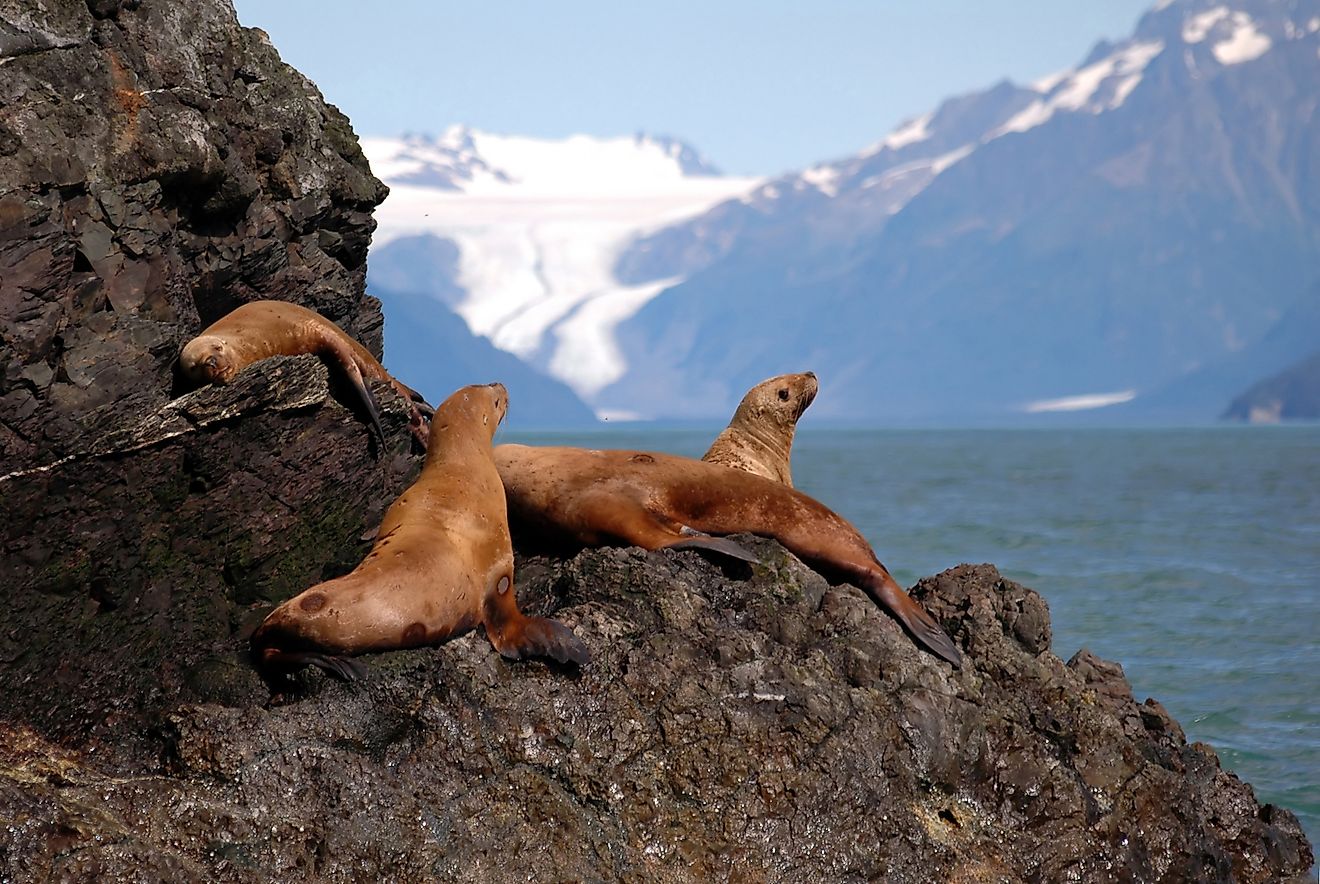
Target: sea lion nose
x=212, y=361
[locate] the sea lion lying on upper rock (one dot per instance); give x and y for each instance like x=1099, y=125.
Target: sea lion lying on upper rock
x=657, y=501
x=262, y=329
x=759, y=439
x=442, y=564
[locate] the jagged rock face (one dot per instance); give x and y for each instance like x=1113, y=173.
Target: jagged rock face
x=752, y=724
x=159, y=165
x=134, y=564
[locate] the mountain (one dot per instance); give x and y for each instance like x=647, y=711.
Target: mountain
x=1140, y=232
x=1292, y=394
x=434, y=350
x=519, y=236
x=1094, y=237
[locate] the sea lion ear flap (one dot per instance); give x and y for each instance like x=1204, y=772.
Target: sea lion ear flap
x=697, y=540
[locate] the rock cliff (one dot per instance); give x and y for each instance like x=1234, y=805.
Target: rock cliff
x=159, y=164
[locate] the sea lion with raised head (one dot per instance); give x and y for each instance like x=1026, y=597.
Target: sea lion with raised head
x=441, y=565
x=262, y=329
x=658, y=501
x=759, y=439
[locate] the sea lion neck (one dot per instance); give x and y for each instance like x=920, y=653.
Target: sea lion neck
x=465, y=422
x=776, y=441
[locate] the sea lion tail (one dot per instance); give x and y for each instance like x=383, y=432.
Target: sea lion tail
x=540, y=637
x=917, y=620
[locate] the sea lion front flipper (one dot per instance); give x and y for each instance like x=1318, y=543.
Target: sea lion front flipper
x=342, y=668
x=542, y=637
x=721, y=545
x=342, y=355
x=517, y=636
x=368, y=400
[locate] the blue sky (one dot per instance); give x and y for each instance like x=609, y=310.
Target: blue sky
x=758, y=86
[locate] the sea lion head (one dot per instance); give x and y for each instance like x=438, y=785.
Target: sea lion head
x=498, y=405
x=480, y=405
x=779, y=401
x=206, y=360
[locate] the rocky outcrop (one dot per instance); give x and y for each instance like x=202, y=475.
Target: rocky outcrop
x=735, y=723
x=159, y=165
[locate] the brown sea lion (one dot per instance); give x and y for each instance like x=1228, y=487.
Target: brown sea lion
x=262, y=329
x=656, y=501
x=759, y=439
x=441, y=565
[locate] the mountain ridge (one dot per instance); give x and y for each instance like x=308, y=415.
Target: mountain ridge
x=1127, y=224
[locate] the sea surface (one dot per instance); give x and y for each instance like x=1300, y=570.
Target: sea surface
x=1190, y=556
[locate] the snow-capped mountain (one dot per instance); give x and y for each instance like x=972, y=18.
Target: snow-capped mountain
x=1098, y=237
x=534, y=227
x=1143, y=228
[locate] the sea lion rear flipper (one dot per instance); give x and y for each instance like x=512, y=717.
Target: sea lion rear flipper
x=918, y=621
x=413, y=396
x=540, y=637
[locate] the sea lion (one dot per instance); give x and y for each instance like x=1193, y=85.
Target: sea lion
x=442, y=564
x=657, y=501
x=262, y=329
x=759, y=439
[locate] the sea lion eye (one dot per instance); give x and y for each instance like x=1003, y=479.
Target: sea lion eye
x=783, y=395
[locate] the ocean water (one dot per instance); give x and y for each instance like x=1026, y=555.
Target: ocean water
x=1190, y=556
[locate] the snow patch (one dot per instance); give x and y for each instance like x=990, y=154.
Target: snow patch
x=944, y=161
x=823, y=178
x=1049, y=81
x=1084, y=402
x=1245, y=43
x=1077, y=90
x=1198, y=27
x=910, y=132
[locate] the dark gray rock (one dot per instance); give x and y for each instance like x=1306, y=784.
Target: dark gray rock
x=734, y=723
x=159, y=165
